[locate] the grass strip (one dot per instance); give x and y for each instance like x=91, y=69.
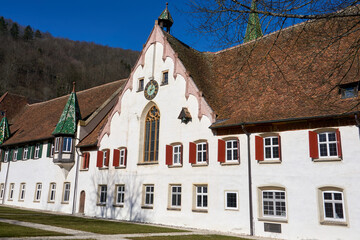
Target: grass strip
x=190, y=237
x=82, y=224
x=11, y=230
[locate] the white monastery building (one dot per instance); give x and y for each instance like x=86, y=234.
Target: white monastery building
x=259, y=139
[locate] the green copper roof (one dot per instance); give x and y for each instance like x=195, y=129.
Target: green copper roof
x=4, y=130
x=253, y=29
x=165, y=15
x=69, y=117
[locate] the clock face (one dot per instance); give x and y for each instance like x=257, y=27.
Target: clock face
x=151, y=89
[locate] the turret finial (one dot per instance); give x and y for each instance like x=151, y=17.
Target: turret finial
x=73, y=90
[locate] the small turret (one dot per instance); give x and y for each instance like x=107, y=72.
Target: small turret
x=165, y=20
x=253, y=29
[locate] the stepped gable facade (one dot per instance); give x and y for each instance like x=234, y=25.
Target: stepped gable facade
x=258, y=139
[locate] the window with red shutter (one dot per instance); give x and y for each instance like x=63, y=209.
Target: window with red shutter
x=325, y=145
x=259, y=148
x=106, y=157
x=86, y=159
x=100, y=157
x=169, y=155
x=123, y=163
x=116, y=158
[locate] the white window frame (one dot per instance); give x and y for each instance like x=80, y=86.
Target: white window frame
x=37, y=151
x=22, y=191
x=25, y=153
x=104, y=160
x=274, y=202
x=102, y=194
x=232, y=149
x=333, y=202
x=122, y=157
x=227, y=207
x=11, y=191
x=52, y=192
x=201, y=191
x=38, y=189
x=175, y=195
x=271, y=146
x=177, y=155
x=201, y=153
x=67, y=145
x=52, y=149
x=66, y=192
x=149, y=190
x=120, y=194
x=327, y=143
x=2, y=190
x=6, y=156
x=57, y=145
x=15, y=154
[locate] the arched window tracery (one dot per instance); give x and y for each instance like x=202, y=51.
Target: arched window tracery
x=151, y=143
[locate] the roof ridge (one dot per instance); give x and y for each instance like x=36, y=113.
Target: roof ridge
x=80, y=92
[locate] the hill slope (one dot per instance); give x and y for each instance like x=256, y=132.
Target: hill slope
x=45, y=67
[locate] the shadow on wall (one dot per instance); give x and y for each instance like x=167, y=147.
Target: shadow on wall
x=133, y=196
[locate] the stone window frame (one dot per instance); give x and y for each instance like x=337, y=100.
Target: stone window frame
x=268, y=218
x=22, y=191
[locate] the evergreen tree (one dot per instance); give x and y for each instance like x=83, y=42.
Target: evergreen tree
x=14, y=31
x=28, y=33
x=38, y=34
x=3, y=26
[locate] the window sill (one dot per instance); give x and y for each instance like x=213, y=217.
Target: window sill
x=10, y=200
x=147, y=163
x=164, y=84
x=21, y=200
x=120, y=167
x=200, y=210
x=230, y=163
x=270, y=162
x=35, y=201
x=334, y=223
x=147, y=207
x=118, y=205
x=51, y=202
x=101, y=204
x=269, y=219
x=231, y=209
x=103, y=168
x=200, y=165
x=140, y=90
x=175, y=166
x=62, y=202
x=84, y=170
x=327, y=159
x=174, y=208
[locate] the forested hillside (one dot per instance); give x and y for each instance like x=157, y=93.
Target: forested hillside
x=42, y=67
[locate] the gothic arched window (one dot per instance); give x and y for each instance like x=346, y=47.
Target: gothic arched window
x=151, y=147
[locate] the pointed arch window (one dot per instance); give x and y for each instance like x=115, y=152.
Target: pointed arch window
x=151, y=144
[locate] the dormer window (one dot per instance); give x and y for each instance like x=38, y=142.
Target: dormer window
x=349, y=90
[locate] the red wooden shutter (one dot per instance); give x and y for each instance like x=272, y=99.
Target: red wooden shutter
x=125, y=157
x=238, y=148
x=116, y=159
x=279, y=141
x=181, y=154
x=221, y=150
x=169, y=155
x=338, y=139
x=259, y=148
x=192, y=153
x=107, y=157
x=87, y=160
x=313, y=144
x=100, y=156
x=207, y=152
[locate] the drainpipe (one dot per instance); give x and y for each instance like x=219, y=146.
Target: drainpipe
x=250, y=182
x=76, y=177
x=6, y=180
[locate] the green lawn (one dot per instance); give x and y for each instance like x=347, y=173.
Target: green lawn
x=10, y=230
x=190, y=237
x=82, y=224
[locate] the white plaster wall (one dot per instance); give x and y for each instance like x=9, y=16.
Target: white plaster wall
x=31, y=172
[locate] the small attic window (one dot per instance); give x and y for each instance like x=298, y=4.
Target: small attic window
x=349, y=90
x=141, y=85
x=165, y=78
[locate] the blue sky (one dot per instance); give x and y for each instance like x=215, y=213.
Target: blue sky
x=124, y=24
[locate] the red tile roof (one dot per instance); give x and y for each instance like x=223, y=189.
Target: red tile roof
x=293, y=73
x=37, y=121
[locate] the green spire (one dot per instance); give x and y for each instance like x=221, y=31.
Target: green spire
x=69, y=117
x=253, y=29
x=4, y=130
